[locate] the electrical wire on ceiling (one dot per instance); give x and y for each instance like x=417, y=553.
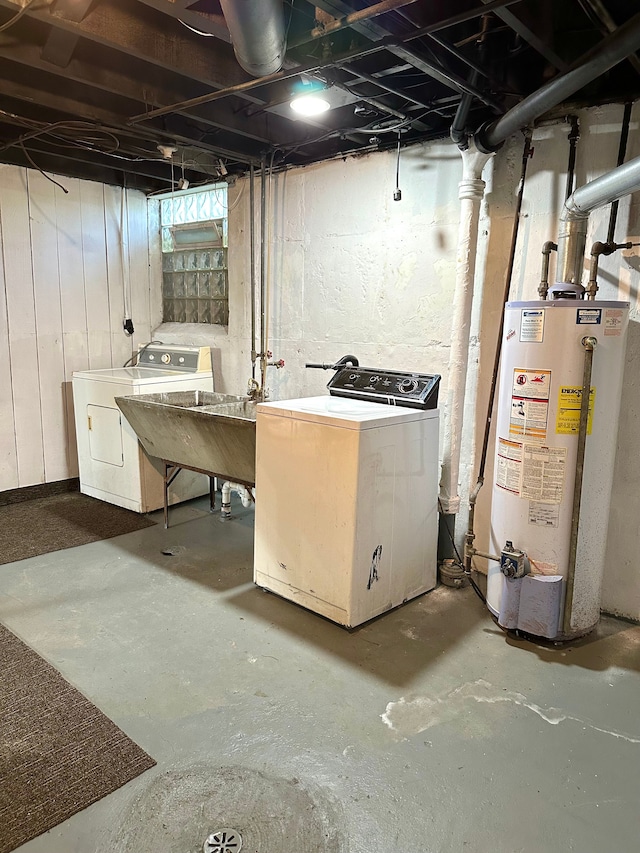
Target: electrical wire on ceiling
x=372, y=128
x=397, y=193
x=71, y=128
x=97, y=139
x=42, y=172
x=194, y=30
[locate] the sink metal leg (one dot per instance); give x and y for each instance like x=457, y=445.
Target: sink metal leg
x=212, y=494
x=171, y=471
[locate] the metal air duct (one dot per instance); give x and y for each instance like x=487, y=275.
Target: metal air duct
x=258, y=34
x=616, y=47
x=575, y=216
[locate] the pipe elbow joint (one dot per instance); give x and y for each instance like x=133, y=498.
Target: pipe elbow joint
x=460, y=137
x=482, y=141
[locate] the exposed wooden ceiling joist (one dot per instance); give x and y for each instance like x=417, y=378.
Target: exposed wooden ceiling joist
x=111, y=61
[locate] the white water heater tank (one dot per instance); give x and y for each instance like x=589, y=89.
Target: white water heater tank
x=536, y=448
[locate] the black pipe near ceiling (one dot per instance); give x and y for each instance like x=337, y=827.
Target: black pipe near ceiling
x=139, y=71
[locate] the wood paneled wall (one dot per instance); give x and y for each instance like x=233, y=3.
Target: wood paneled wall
x=62, y=310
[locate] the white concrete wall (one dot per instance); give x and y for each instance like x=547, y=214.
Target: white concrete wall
x=61, y=311
x=354, y=271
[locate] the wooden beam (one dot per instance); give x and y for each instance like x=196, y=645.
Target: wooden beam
x=327, y=24
x=147, y=37
x=527, y=33
x=148, y=87
x=73, y=10
x=66, y=167
x=338, y=9
x=214, y=25
x=59, y=46
x=63, y=108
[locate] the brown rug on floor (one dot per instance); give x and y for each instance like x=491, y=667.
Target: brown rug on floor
x=58, y=752
x=62, y=521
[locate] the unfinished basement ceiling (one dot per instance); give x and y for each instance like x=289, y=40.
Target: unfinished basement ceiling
x=82, y=81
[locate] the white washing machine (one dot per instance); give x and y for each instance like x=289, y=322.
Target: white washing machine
x=347, y=491
x=113, y=465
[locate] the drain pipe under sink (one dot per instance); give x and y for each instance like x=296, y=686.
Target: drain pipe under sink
x=245, y=494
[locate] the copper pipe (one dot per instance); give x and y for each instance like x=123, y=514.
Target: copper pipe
x=355, y=17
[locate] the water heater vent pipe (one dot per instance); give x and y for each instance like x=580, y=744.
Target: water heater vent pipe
x=574, y=219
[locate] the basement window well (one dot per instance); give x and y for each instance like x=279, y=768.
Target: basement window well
x=194, y=256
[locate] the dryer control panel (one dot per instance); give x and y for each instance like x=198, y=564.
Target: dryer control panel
x=184, y=359
x=390, y=387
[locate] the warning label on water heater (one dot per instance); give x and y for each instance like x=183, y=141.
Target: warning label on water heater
x=530, y=403
x=568, y=414
x=509, y=468
x=613, y=322
x=533, y=472
x=543, y=473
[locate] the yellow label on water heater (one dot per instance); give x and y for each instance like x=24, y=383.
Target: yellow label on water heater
x=568, y=415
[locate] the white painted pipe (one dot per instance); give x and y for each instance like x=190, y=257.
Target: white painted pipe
x=243, y=492
x=470, y=192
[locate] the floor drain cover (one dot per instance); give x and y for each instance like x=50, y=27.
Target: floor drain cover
x=172, y=550
x=223, y=841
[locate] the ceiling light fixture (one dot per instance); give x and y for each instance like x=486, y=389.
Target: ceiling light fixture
x=308, y=97
x=309, y=105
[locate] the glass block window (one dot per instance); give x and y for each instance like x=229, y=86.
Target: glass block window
x=194, y=257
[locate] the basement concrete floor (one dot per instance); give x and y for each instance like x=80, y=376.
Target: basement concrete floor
x=426, y=730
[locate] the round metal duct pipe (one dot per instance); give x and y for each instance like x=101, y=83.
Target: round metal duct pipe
x=258, y=34
x=575, y=216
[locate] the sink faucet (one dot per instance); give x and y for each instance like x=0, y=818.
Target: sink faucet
x=253, y=390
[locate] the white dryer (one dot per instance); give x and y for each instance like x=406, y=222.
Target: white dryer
x=346, y=510
x=113, y=465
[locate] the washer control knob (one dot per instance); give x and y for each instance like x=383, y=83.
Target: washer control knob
x=407, y=386
x=166, y=358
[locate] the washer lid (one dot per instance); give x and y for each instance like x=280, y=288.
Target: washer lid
x=138, y=375
x=344, y=412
